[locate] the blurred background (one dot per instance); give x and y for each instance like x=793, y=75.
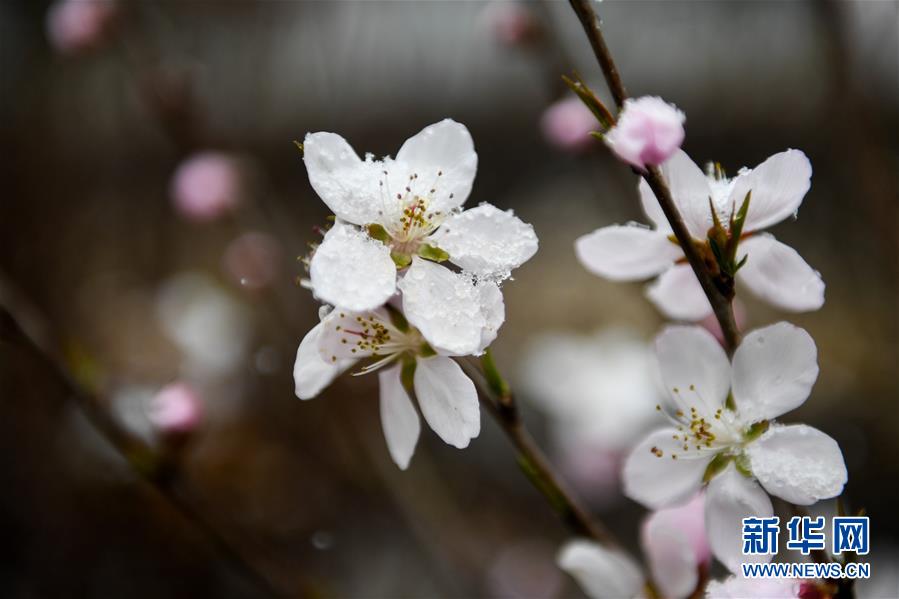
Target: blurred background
x=154, y=207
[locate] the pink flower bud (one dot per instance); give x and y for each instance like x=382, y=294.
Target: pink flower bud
x=512, y=23
x=648, y=132
x=567, y=124
x=675, y=543
x=207, y=185
x=176, y=409
x=77, y=25
x=253, y=260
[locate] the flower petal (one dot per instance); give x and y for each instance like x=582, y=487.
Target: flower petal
x=487, y=241
x=678, y=295
x=798, y=463
x=346, y=183
x=774, y=371
x=443, y=156
x=737, y=587
x=601, y=573
x=655, y=478
x=626, y=253
x=398, y=417
x=672, y=560
x=730, y=498
x=778, y=186
x=352, y=271
x=448, y=400
x=449, y=309
x=776, y=273
x=690, y=191
x=311, y=373
x=695, y=370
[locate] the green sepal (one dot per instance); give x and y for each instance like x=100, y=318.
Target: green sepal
x=376, y=231
x=426, y=351
x=743, y=465
x=756, y=430
x=407, y=373
x=716, y=466
x=433, y=253
x=729, y=403
x=401, y=260
x=397, y=319
x=737, y=221
x=300, y=147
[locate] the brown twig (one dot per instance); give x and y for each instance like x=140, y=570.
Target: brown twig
x=720, y=301
x=496, y=396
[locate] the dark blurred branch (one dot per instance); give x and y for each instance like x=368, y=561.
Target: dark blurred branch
x=720, y=298
x=496, y=396
x=22, y=329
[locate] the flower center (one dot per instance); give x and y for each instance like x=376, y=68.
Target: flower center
x=408, y=216
x=699, y=431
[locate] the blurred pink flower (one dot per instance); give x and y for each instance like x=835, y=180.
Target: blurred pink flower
x=648, y=132
x=206, y=185
x=512, y=23
x=675, y=543
x=176, y=409
x=77, y=25
x=253, y=260
x=567, y=124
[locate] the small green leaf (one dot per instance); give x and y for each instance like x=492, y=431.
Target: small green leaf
x=376, y=231
x=756, y=430
x=729, y=403
x=401, y=260
x=433, y=253
x=300, y=146
x=741, y=263
x=737, y=221
x=743, y=465
x=588, y=97
x=717, y=465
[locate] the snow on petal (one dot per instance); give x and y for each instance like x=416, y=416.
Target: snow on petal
x=695, y=370
x=345, y=183
x=678, y=295
x=601, y=573
x=487, y=241
x=774, y=369
x=655, y=478
x=493, y=309
x=690, y=190
x=730, y=498
x=777, y=185
x=448, y=308
x=443, y=156
x=626, y=253
x=798, y=463
x=448, y=400
x=398, y=417
x=649, y=130
x=311, y=372
x=776, y=273
x=737, y=587
x=352, y=271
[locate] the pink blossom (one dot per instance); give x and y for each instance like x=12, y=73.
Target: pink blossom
x=567, y=124
x=207, y=185
x=176, y=409
x=512, y=23
x=253, y=259
x=77, y=25
x=648, y=132
x=675, y=543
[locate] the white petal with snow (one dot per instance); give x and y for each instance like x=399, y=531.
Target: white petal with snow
x=798, y=463
x=655, y=478
x=311, y=373
x=487, y=241
x=678, y=295
x=449, y=309
x=730, y=498
x=448, y=400
x=778, y=186
x=352, y=271
x=737, y=587
x=398, y=417
x=626, y=253
x=774, y=369
x=776, y=273
x=601, y=573
x=443, y=157
x=347, y=184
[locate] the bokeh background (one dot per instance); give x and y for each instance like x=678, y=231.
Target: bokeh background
x=131, y=274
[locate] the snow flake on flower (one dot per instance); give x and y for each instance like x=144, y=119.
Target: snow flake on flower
x=722, y=432
x=392, y=210
x=773, y=271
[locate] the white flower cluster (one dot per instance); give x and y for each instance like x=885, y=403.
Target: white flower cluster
x=390, y=297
